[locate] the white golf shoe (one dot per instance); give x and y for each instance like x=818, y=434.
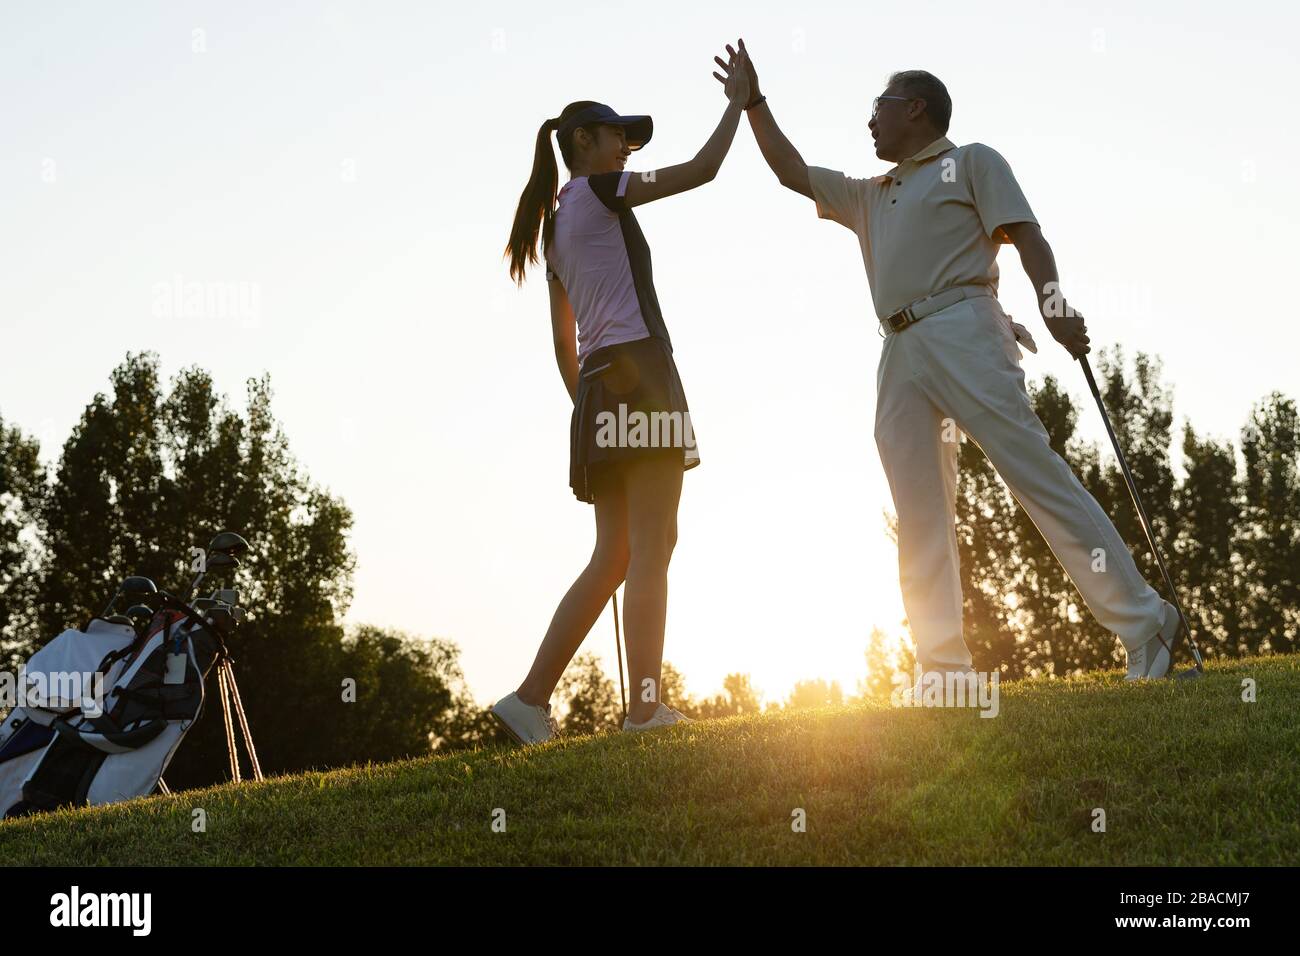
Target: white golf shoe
x=940, y=684
x=664, y=716
x=526, y=723
x=1153, y=659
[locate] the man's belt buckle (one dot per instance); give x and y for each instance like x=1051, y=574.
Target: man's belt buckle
x=901, y=319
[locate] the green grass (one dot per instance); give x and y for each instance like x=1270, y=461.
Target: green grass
x=1187, y=774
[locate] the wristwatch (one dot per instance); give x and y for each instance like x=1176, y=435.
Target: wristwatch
x=756, y=102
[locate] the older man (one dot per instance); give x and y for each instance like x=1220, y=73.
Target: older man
x=930, y=229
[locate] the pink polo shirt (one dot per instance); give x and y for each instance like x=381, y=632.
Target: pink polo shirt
x=600, y=256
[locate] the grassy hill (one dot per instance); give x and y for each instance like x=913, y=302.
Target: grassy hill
x=1187, y=774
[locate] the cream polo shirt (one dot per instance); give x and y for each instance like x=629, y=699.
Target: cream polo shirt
x=931, y=222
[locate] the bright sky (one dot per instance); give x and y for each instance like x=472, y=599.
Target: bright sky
x=351, y=169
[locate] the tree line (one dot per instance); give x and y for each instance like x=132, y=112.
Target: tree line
x=153, y=469
x=1228, y=527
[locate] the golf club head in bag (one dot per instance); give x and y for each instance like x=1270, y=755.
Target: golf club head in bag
x=1199, y=669
x=222, y=554
x=136, y=589
x=227, y=542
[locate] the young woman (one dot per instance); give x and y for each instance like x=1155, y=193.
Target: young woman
x=621, y=364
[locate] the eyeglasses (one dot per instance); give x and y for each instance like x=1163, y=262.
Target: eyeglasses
x=875, y=104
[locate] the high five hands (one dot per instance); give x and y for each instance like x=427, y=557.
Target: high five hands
x=741, y=82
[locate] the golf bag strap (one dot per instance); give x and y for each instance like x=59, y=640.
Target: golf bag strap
x=106, y=736
x=152, y=694
x=113, y=657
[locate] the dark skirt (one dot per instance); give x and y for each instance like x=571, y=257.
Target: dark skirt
x=630, y=405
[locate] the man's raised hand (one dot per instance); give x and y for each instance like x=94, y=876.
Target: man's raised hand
x=749, y=68
x=736, y=82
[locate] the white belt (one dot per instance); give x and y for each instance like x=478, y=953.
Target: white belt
x=929, y=305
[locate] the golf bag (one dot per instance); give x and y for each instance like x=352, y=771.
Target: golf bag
x=136, y=696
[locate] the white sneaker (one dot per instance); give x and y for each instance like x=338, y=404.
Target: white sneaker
x=934, y=682
x=1153, y=659
x=526, y=723
x=663, y=716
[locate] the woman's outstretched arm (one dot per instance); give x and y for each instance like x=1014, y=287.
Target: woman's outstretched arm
x=658, y=183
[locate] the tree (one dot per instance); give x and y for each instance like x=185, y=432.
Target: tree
x=405, y=699
x=149, y=474
x=22, y=493
x=886, y=659
x=1207, y=563
x=473, y=727
x=807, y=694
x=672, y=691
x=1270, y=538
x=591, y=706
x=738, y=697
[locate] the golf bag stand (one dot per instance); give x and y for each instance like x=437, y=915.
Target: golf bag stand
x=1143, y=519
x=230, y=701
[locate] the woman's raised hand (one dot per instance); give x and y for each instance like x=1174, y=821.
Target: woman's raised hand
x=736, y=82
x=704, y=167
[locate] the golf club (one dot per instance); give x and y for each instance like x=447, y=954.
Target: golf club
x=1145, y=521
x=218, y=559
x=227, y=542
x=220, y=610
x=618, y=646
x=137, y=588
x=221, y=561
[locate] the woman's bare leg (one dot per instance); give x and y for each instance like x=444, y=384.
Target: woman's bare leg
x=654, y=487
x=586, y=598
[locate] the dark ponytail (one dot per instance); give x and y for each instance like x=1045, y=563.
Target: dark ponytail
x=537, y=202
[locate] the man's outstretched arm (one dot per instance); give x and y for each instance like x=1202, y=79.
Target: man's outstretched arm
x=790, y=169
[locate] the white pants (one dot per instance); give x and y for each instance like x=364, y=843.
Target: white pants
x=959, y=369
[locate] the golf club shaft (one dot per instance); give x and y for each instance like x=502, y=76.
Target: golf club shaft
x=109, y=609
x=618, y=646
x=1143, y=519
